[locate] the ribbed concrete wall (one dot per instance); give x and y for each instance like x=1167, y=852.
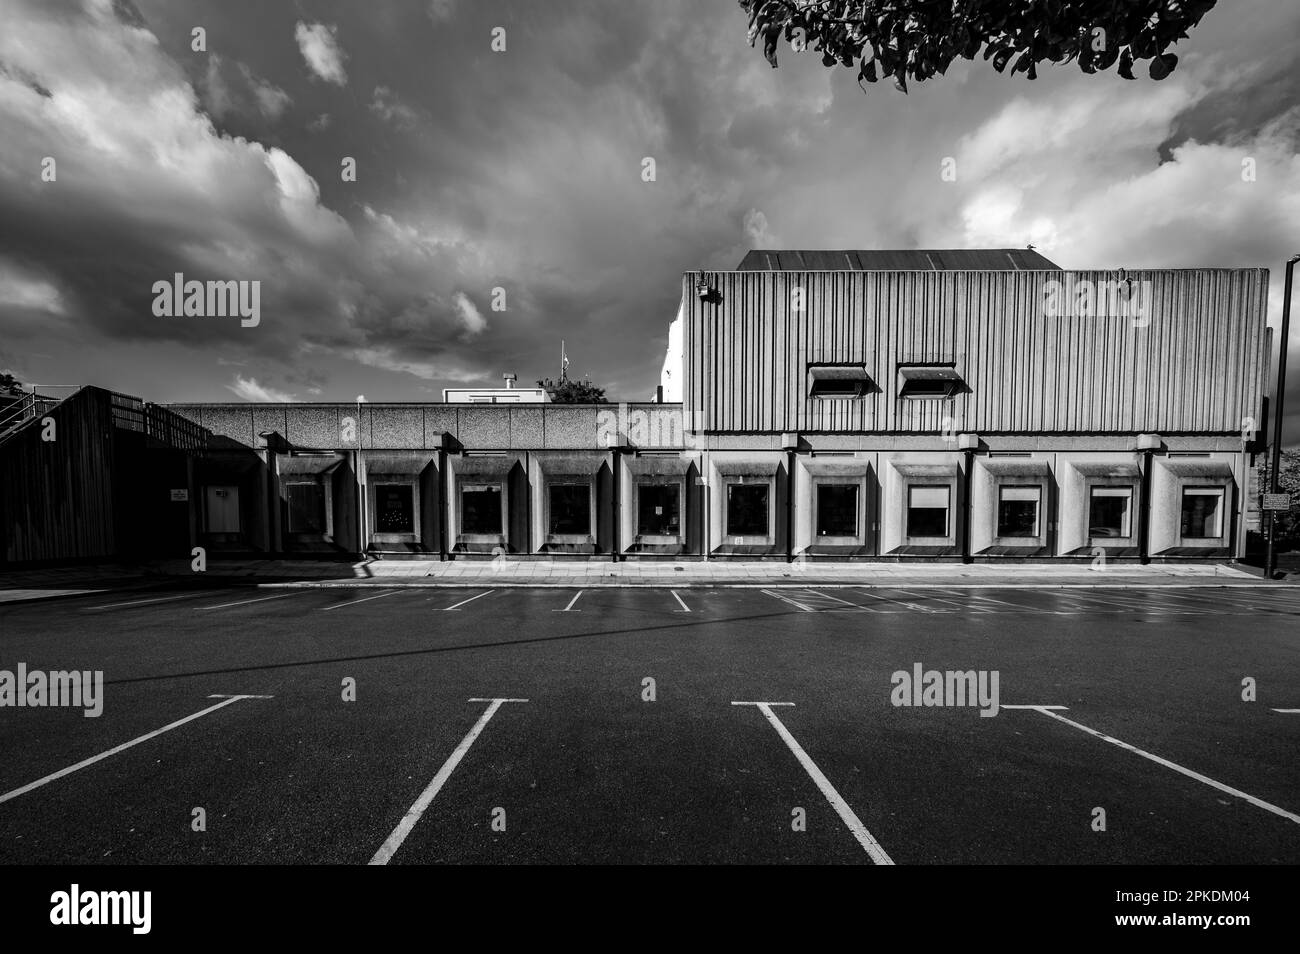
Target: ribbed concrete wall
x=1193, y=362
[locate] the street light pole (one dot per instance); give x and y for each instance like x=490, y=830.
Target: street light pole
x=361, y=486
x=1275, y=465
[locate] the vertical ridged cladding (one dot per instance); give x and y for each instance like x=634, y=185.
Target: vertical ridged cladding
x=1195, y=366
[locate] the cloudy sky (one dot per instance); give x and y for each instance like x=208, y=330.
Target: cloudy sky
x=522, y=170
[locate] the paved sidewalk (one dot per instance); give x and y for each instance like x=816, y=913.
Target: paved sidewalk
x=25, y=585
x=22, y=585
x=506, y=572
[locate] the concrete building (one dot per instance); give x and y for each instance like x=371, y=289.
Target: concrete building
x=919, y=405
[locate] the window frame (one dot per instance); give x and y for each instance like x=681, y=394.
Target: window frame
x=325, y=529
x=835, y=538
x=551, y=485
x=908, y=489
x=1217, y=491
x=838, y=382
x=938, y=381
x=737, y=539
x=678, y=487
x=1037, y=498
x=414, y=490
x=1126, y=492
x=464, y=486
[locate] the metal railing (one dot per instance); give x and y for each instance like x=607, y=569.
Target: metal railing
x=162, y=427
x=32, y=405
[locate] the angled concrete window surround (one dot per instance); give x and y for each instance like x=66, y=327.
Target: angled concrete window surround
x=929, y=382
x=839, y=381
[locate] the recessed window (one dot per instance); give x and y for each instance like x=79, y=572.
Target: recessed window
x=658, y=511
x=570, y=509
x=927, y=511
x=1018, y=511
x=1202, y=516
x=747, y=510
x=306, y=508
x=480, y=508
x=838, y=381
x=1109, y=512
x=929, y=382
x=837, y=510
x=394, y=508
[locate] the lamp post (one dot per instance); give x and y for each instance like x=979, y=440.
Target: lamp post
x=1284, y=338
x=361, y=487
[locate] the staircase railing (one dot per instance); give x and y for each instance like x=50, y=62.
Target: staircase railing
x=29, y=407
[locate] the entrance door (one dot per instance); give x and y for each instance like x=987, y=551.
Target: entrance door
x=222, y=509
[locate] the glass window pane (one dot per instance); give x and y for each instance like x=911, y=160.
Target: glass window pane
x=306, y=508
x=1202, y=516
x=570, y=509
x=658, y=510
x=928, y=496
x=1108, y=512
x=1018, y=511
x=747, y=510
x=837, y=510
x=394, y=508
x=927, y=512
x=480, y=508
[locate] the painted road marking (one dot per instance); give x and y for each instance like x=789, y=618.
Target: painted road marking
x=1030, y=607
x=379, y=596
x=990, y=599
x=965, y=607
x=1226, y=789
x=684, y=607
x=225, y=701
x=470, y=600
x=160, y=599
x=260, y=599
x=1061, y=708
x=1152, y=602
x=841, y=807
x=569, y=608
x=911, y=606
x=1288, y=711
x=827, y=596
x=404, y=827
x=1136, y=602
x=786, y=599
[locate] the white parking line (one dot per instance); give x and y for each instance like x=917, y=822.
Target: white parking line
x=160, y=599
x=1226, y=789
x=470, y=600
x=827, y=596
x=394, y=840
x=225, y=701
x=990, y=599
x=854, y=824
x=1125, y=600
x=890, y=599
x=260, y=599
x=786, y=599
x=366, y=599
x=569, y=608
x=1288, y=711
x=962, y=605
x=684, y=607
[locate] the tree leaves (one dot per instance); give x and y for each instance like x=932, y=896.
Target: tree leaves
x=918, y=39
x=1162, y=66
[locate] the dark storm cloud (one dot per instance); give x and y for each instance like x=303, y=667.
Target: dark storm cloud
x=522, y=170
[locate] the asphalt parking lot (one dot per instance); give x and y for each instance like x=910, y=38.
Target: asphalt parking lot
x=425, y=767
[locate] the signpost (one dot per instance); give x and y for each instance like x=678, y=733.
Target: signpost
x=1276, y=502
x=1275, y=475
